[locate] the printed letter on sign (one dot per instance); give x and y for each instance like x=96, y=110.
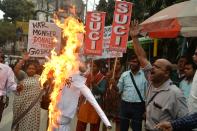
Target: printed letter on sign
x=95, y=22
x=120, y=26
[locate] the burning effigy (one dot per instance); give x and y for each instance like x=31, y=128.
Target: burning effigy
x=67, y=80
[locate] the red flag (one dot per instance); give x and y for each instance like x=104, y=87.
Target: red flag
x=120, y=26
x=95, y=22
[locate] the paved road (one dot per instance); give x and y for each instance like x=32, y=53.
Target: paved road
x=6, y=121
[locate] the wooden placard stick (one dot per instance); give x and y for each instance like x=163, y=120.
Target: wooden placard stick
x=114, y=69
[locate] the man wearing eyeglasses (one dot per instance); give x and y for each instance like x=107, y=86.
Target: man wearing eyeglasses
x=164, y=101
x=187, y=122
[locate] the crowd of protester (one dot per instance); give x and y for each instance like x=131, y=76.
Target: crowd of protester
x=164, y=97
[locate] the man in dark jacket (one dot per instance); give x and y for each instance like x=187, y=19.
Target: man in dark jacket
x=187, y=123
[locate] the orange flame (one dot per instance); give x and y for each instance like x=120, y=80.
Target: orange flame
x=63, y=65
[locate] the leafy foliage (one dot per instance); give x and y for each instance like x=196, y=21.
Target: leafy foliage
x=142, y=9
x=7, y=31
x=102, y=6
x=153, y=6
x=137, y=9
x=17, y=10
x=110, y=12
x=107, y=7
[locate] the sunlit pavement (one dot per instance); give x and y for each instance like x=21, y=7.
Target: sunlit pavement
x=6, y=122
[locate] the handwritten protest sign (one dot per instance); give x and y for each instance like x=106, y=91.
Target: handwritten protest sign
x=42, y=38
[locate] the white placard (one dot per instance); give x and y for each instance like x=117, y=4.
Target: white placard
x=106, y=53
x=42, y=38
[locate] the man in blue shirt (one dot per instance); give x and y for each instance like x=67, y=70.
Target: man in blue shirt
x=132, y=101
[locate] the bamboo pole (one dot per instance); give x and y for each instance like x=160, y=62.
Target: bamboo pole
x=91, y=71
x=114, y=69
x=155, y=47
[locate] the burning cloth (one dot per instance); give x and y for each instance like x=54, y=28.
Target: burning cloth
x=69, y=101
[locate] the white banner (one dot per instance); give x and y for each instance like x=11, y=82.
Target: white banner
x=42, y=38
x=106, y=52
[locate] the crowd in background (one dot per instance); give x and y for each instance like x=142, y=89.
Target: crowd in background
x=136, y=91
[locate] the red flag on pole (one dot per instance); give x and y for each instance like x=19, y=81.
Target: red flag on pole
x=120, y=26
x=95, y=22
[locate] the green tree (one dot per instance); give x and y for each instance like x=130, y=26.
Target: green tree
x=102, y=6
x=7, y=32
x=154, y=6
x=107, y=7
x=137, y=10
x=110, y=12
x=15, y=10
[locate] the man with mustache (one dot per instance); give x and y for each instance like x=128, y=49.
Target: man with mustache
x=164, y=100
x=187, y=122
x=132, y=86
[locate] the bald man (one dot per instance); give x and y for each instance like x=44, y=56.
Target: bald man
x=164, y=101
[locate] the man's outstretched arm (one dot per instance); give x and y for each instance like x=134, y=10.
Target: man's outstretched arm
x=141, y=54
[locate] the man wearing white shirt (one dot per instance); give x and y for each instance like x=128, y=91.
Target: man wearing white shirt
x=7, y=83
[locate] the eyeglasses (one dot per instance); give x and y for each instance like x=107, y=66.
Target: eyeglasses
x=158, y=67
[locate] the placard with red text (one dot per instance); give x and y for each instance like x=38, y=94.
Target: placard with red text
x=95, y=23
x=120, y=26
